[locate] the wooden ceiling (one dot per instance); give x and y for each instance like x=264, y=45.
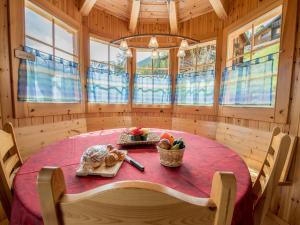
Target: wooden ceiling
x=156, y=10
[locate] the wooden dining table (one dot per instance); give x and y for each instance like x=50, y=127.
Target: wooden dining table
x=202, y=158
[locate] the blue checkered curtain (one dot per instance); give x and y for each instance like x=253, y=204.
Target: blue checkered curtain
x=195, y=88
x=250, y=83
x=48, y=79
x=152, y=89
x=107, y=86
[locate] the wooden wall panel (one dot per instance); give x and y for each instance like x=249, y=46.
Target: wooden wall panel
x=32, y=138
x=102, y=121
x=6, y=108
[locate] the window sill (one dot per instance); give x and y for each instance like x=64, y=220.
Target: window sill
x=48, y=109
x=198, y=110
x=151, y=106
x=97, y=107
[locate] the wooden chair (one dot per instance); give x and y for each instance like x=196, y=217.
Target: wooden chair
x=134, y=203
x=285, y=171
x=269, y=174
x=10, y=161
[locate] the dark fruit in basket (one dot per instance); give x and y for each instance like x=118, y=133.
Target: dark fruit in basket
x=164, y=144
x=180, y=143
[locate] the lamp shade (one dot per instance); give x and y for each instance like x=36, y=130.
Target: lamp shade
x=181, y=53
x=153, y=42
x=184, y=44
x=123, y=45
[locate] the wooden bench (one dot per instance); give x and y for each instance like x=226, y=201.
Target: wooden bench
x=252, y=145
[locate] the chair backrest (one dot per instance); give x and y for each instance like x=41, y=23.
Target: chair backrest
x=10, y=159
x=269, y=174
x=134, y=203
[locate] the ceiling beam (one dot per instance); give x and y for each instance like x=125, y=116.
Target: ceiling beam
x=134, y=16
x=219, y=7
x=173, y=16
x=86, y=6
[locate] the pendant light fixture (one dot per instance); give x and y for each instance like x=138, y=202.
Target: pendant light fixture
x=153, y=43
x=184, y=44
x=155, y=54
x=123, y=45
x=181, y=53
x=128, y=53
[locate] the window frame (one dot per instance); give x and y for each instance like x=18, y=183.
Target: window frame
x=254, y=112
x=104, y=107
x=202, y=110
x=160, y=107
x=54, y=21
x=203, y=43
x=17, y=33
x=199, y=109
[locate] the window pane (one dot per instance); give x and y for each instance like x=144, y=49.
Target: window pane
x=195, y=82
x=187, y=64
x=161, y=64
x=98, y=51
x=241, y=46
x=143, y=62
x=152, y=83
x=64, y=39
x=65, y=56
x=267, y=32
x=38, y=46
x=38, y=26
x=118, y=59
x=250, y=79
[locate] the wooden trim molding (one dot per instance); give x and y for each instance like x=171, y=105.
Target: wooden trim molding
x=286, y=60
x=196, y=110
x=96, y=107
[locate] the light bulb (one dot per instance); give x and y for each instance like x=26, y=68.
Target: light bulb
x=128, y=53
x=184, y=44
x=155, y=54
x=153, y=42
x=123, y=45
x=181, y=53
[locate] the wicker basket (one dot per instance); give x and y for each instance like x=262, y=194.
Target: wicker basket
x=171, y=158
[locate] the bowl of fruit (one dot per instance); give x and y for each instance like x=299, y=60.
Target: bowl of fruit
x=170, y=150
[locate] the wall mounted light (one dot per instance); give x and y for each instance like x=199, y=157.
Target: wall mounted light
x=184, y=44
x=128, y=53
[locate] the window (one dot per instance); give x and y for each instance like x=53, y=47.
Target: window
x=49, y=35
x=54, y=75
x=250, y=75
x=195, y=81
x=108, y=80
x=152, y=82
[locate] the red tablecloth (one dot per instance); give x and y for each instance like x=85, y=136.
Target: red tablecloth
x=203, y=157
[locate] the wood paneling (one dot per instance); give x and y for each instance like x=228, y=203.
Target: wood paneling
x=251, y=144
x=32, y=138
x=6, y=108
